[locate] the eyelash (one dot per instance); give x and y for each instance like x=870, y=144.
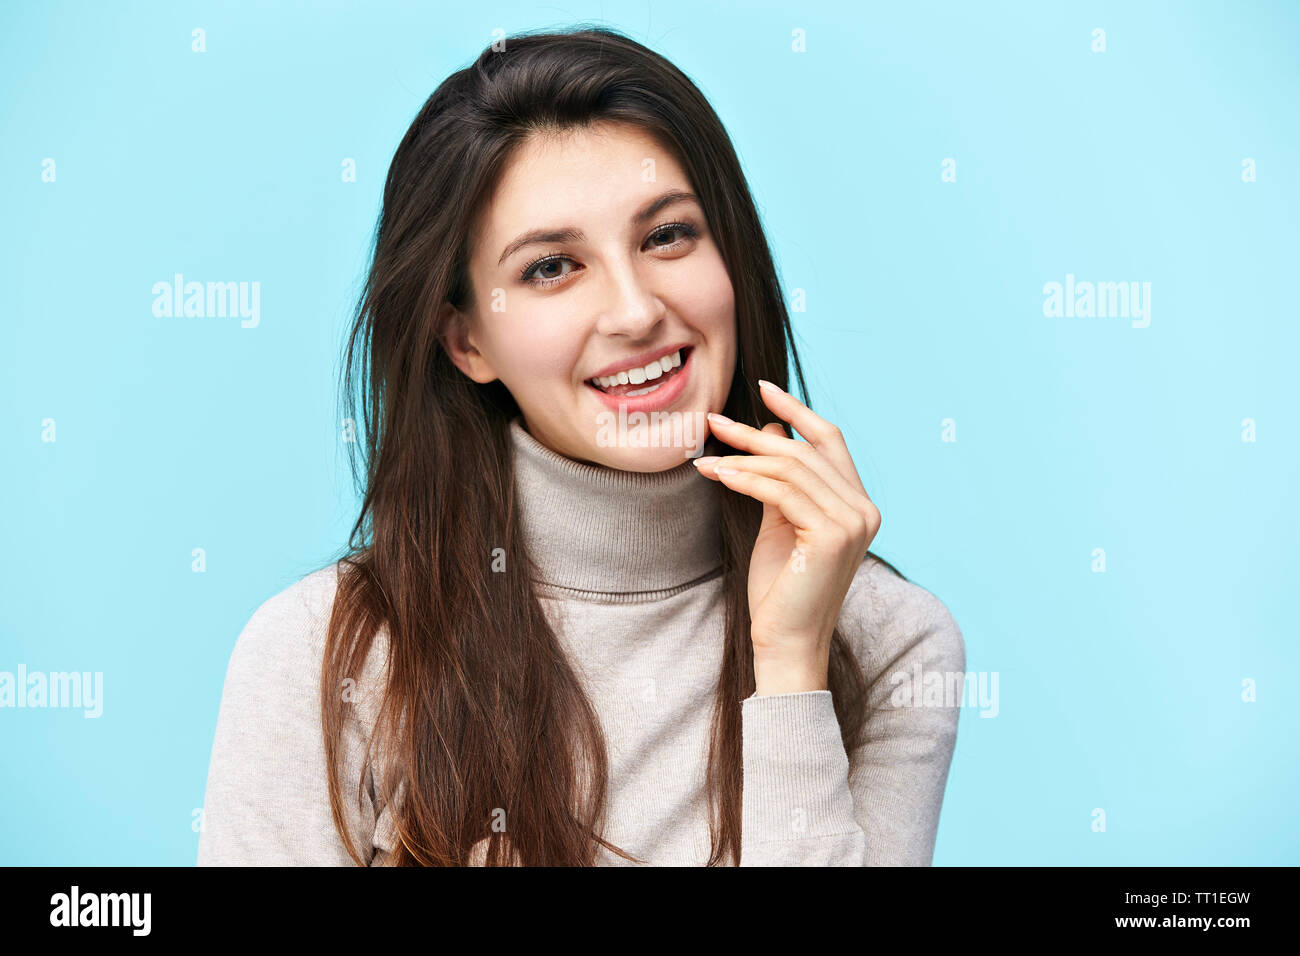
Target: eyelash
x=688, y=230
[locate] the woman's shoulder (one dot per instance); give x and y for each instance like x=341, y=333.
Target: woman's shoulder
x=283, y=642
x=292, y=619
x=888, y=618
x=307, y=598
x=266, y=801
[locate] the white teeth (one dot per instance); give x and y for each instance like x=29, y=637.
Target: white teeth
x=648, y=372
x=642, y=391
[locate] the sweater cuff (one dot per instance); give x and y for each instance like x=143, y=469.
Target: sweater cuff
x=796, y=773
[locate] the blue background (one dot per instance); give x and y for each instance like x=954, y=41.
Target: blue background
x=1119, y=690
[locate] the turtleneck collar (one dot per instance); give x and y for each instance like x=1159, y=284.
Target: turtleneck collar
x=614, y=533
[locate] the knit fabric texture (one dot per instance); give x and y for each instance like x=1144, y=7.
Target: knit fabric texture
x=627, y=566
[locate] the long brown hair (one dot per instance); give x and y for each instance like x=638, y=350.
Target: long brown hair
x=481, y=712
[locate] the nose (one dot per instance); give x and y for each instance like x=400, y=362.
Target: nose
x=634, y=309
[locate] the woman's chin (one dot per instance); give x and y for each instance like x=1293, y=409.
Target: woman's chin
x=645, y=460
x=649, y=442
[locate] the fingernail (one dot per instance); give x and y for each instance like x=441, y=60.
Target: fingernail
x=706, y=460
x=764, y=383
x=725, y=471
x=720, y=419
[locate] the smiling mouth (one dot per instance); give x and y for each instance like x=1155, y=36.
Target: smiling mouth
x=631, y=383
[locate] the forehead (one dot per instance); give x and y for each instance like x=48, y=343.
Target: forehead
x=557, y=178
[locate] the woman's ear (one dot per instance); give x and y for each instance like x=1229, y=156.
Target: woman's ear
x=457, y=339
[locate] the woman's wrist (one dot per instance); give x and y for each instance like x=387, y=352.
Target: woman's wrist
x=789, y=675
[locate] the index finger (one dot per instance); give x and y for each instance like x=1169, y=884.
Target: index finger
x=820, y=433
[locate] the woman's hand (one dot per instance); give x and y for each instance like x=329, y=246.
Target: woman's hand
x=818, y=522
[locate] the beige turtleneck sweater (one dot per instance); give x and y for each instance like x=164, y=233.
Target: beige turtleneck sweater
x=627, y=567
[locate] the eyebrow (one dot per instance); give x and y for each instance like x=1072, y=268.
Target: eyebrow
x=645, y=213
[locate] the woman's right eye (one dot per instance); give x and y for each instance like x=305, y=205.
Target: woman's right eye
x=542, y=265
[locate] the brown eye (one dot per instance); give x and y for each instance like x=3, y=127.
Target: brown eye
x=687, y=231
x=544, y=265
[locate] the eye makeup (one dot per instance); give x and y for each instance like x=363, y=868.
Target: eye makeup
x=689, y=233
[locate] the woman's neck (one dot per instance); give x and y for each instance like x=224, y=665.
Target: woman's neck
x=619, y=533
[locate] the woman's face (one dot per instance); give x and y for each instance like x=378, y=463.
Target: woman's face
x=582, y=268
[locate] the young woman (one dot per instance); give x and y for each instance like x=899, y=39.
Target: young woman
x=558, y=636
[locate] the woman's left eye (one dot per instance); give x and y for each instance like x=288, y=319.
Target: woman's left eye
x=555, y=259
x=684, y=228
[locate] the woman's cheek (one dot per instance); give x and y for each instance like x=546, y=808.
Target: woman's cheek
x=541, y=345
x=702, y=294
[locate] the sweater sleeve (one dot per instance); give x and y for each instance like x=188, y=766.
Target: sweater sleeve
x=805, y=802
x=266, y=801
x=797, y=808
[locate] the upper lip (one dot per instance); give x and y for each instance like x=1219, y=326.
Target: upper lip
x=639, y=360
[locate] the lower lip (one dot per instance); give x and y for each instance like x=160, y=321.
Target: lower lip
x=660, y=398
